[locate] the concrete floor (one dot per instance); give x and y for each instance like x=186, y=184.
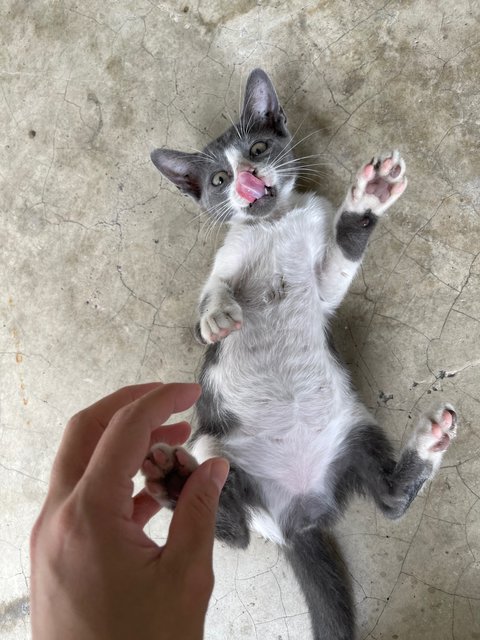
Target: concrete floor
x=101, y=262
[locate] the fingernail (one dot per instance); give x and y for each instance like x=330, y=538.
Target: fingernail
x=219, y=471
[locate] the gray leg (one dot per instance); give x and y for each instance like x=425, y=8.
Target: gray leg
x=370, y=466
x=378, y=185
x=233, y=515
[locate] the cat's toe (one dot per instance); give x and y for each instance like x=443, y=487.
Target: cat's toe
x=378, y=184
x=434, y=433
x=218, y=324
x=444, y=430
x=166, y=469
x=390, y=166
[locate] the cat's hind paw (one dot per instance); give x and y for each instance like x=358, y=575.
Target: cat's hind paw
x=166, y=469
x=434, y=433
x=378, y=184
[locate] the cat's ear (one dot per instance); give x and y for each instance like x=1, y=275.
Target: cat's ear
x=261, y=102
x=183, y=169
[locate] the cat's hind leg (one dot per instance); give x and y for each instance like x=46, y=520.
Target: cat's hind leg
x=234, y=513
x=240, y=494
x=394, y=484
x=166, y=469
x=377, y=186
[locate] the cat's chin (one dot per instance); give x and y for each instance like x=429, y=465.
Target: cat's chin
x=263, y=206
x=267, y=199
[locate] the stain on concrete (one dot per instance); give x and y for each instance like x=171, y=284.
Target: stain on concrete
x=115, y=67
x=91, y=97
x=13, y=613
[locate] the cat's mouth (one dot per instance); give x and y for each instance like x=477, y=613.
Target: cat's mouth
x=253, y=188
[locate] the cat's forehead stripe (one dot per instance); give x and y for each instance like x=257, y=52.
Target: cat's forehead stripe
x=234, y=156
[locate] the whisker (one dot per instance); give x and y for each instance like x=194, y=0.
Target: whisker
x=208, y=155
x=296, y=169
x=212, y=213
x=302, y=173
x=220, y=222
x=214, y=206
x=215, y=221
x=195, y=218
x=211, y=210
x=220, y=213
x=290, y=148
x=246, y=129
x=233, y=124
x=296, y=160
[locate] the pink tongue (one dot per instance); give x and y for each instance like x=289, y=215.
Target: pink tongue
x=249, y=186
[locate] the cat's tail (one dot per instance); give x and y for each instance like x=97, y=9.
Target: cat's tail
x=321, y=573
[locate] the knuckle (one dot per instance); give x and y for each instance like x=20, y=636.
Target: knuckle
x=54, y=534
x=128, y=390
x=65, y=522
x=125, y=414
x=76, y=420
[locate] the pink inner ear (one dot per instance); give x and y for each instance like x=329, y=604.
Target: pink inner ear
x=249, y=186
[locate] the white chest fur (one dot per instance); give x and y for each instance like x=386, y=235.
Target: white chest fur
x=276, y=374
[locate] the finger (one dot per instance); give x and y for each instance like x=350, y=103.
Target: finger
x=83, y=432
x=176, y=433
x=192, y=529
x=125, y=442
x=144, y=508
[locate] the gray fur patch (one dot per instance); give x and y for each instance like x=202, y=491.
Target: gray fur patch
x=320, y=570
x=353, y=233
x=233, y=515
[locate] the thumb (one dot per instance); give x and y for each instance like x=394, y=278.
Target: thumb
x=192, y=529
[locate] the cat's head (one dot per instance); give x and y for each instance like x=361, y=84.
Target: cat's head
x=248, y=172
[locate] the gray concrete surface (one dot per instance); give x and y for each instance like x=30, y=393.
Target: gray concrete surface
x=101, y=261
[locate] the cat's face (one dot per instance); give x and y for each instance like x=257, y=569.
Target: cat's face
x=246, y=173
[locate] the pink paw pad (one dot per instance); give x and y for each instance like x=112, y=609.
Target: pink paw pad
x=444, y=430
x=379, y=183
x=368, y=172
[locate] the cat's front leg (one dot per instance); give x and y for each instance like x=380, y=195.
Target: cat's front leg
x=377, y=186
x=220, y=313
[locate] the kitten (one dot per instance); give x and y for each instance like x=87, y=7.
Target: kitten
x=277, y=401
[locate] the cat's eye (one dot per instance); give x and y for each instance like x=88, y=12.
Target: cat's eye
x=219, y=178
x=258, y=148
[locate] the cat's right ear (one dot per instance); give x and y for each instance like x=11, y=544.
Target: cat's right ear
x=183, y=169
x=261, y=103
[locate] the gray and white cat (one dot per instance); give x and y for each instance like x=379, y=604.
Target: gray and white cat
x=277, y=401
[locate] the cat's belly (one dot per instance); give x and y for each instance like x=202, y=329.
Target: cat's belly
x=291, y=421
x=294, y=446
x=278, y=372
x=291, y=400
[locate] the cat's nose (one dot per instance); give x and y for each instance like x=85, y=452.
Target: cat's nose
x=245, y=167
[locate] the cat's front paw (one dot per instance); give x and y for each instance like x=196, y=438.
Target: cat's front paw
x=378, y=184
x=166, y=469
x=434, y=433
x=218, y=323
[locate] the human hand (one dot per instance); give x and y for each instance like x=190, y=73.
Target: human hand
x=95, y=573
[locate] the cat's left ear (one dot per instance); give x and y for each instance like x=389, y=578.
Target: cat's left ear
x=183, y=169
x=261, y=103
